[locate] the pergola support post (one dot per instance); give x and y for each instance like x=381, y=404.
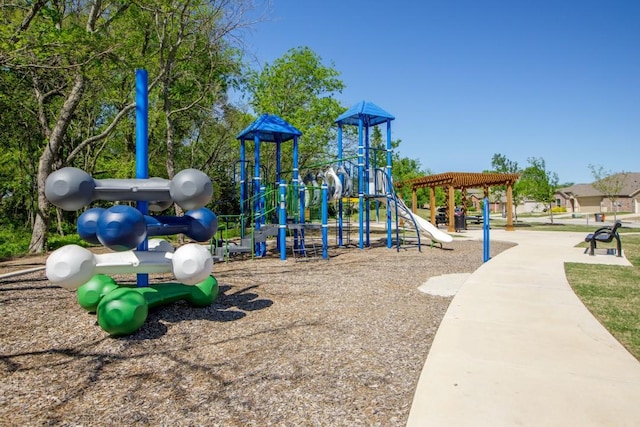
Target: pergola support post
x=432, y=204
x=451, y=209
x=414, y=200
x=510, y=226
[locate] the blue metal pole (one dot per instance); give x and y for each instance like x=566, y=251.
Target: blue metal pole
x=325, y=220
x=389, y=184
x=296, y=172
x=142, y=154
x=282, y=227
x=243, y=178
x=257, y=218
x=485, y=230
x=278, y=159
x=367, y=178
x=297, y=236
x=340, y=163
x=263, y=245
x=361, y=182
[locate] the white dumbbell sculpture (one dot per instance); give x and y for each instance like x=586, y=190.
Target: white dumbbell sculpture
x=72, y=266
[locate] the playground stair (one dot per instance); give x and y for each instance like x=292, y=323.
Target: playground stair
x=305, y=247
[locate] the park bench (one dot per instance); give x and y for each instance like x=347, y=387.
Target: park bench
x=476, y=219
x=605, y=235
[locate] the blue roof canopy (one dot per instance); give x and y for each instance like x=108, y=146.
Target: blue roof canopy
x=371, y=115
x=270, y=128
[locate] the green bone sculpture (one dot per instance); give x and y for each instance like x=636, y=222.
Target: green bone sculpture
x=122, y=310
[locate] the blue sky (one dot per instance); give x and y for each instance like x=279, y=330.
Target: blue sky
x=466, y=79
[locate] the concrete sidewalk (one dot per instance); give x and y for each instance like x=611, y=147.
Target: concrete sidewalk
x=517, y=347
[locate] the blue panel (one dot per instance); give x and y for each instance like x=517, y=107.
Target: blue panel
x=269, y=128
x=371, y=114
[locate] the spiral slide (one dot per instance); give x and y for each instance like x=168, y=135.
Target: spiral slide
x=424, y=226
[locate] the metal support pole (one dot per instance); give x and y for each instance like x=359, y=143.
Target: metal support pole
x=325, y=220
x=142, y=154
x=340, y=163
x=282, y=227
x=361, y=183
x=257, y=187
x=389, y=184
x=485, y=230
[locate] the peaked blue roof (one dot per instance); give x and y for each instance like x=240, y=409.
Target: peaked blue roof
x=371, y=114
x=269, y=128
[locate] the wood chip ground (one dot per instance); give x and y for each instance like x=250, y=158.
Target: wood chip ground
x=338, y=342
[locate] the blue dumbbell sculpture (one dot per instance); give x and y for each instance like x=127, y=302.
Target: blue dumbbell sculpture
x=122, y=228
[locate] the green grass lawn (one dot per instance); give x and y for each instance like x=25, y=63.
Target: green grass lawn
x=612, y=293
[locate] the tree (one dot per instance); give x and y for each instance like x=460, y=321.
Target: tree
x=404, y=169
x=78, y=59
x=55, y=44
x=609, y=184
x=300, y=89
x=501, y=164
x=539, y=183
x=197, y=67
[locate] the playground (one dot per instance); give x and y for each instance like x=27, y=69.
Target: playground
x=272, y=343
x=270, y=207
x=283, y=344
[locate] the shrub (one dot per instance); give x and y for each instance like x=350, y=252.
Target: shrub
x=13, y=241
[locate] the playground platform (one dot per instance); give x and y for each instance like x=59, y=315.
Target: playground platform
x=517, y=346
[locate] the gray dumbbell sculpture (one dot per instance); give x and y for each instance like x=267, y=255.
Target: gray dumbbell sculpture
x=72, y=189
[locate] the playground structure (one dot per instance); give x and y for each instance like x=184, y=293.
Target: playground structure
x=121, y=310
x=278, y=208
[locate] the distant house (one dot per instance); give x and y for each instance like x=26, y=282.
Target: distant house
x=475, y=197
x=584, y=198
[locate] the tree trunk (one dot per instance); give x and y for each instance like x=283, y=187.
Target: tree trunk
x=46, y=162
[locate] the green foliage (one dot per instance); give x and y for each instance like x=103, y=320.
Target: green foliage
x=609, y=184
x=405, y=168
x=538, y=183
x=13, y=241
x=501, y=164
x=56, y=241
x=67, y=92
x=300, y=89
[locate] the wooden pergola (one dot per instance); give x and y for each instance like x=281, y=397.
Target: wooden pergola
x=452, y=181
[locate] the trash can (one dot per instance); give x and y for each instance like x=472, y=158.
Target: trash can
x=460, y=222
x=599, y=217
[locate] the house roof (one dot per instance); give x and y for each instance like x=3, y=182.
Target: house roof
x=582, y=190
x=630, y=187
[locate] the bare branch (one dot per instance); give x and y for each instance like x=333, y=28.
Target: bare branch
x=101, y=135
x=108, y=129
x=93, y=16
x=186, y=107
x=35, y=8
